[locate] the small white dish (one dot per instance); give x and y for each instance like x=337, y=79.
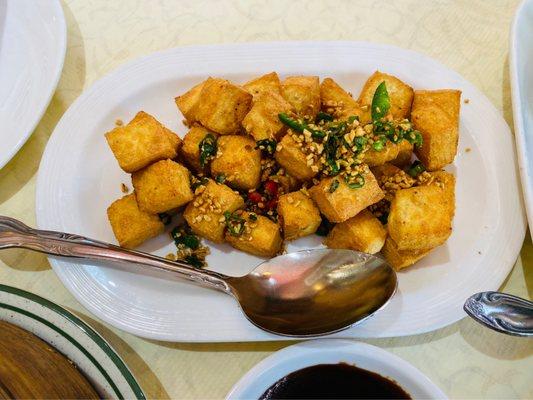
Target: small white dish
x=72, y=337
x=33, y=41
x=333, y=351
x=521, y=71
x=79, y=178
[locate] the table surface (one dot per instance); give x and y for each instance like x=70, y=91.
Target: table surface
x=469, y=36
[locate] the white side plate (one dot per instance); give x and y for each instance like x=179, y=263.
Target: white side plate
x=315, y=352
x=79, y=178
x=33, y=39
x=521, y=70
x=76, y=340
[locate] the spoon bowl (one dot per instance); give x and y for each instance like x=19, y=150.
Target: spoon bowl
x=314, y=292
x=307, y=293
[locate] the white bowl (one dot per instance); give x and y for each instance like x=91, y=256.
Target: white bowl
x=334, y=351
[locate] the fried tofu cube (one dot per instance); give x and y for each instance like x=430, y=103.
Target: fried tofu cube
x=266, y=83
x=384, y=171
x=142, y=141
x=238, y=160
x=388, y=153
x=291, y=157
x=190, y=149
x=222, y=106
x=401, y=94
x=288, y=183
x=342, y=203
x=162, y=186
x=344, y=105
x=436, y=115
x=188, y=102
x=421, y=217
x=205, y=214
x=362, y=233
x=262, y=121
x=131, y=225
x=298, y=215
x=399, y=259
x=260, y=237
x=303, y=92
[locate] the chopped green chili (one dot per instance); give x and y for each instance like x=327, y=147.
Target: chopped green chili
x=414, y=137
x=380, y=102
x=267, y=145
x=379, y=144
x=299, y=127
x=416, y=169
x=352, y=118
x=322, y=116
x=355, y=182
x=208, y=149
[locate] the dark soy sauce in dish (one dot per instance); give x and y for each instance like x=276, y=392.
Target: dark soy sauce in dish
x=334, y=381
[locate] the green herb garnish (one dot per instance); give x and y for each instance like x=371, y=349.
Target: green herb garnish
x=416, y=169
x=414, y=137
x=208, y=149
x=234, y=223
x=267, y=145
x=379, y=144
x=194, y=261
x=352, y=118
x=380, y=102
x=182, y=236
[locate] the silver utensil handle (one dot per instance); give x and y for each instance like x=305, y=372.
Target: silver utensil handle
x=502, y=312
x=14, y=233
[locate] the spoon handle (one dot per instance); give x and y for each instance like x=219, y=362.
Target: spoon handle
x=502, y=312
x=14, y=233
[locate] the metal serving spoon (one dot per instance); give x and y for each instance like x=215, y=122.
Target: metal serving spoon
x=307, y=293
x=501, y=312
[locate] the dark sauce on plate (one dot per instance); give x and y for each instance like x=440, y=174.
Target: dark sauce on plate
x=334, y=381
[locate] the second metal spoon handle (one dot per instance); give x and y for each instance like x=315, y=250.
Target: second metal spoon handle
x=14, y=233
x=502, y=312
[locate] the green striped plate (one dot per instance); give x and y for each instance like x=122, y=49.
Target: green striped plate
x=72, y=337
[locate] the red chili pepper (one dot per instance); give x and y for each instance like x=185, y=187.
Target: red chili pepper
x=271, y=188
x=255, y=197
x=272, y=204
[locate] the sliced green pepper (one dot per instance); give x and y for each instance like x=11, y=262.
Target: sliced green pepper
x=208, y=149
x=355, y=182
x=380, y=102
x=416, y=169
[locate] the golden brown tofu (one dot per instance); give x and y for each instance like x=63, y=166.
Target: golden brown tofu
x=162, y=186
x=436, y=115
x=291, y=157
x=190, y=149
x=303, y=92
x=238, y=160
x=399, y=259
x=344, y=105
x=401, y=94
x=421, y=217
x=288, y=183
x=405, y=154
x=390, y=152
x=262, y=122
x=363, y=233
x=260, y=236
x=266, y=83
x=384, y=171
x=188, y=102
x=298, y=215
x=141, y=142
x=131, y=225
x=222, y=106
x=205, y=214
x=343, y=202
